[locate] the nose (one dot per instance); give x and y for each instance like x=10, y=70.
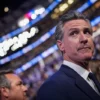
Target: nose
x=83, y=38
x=25, y=88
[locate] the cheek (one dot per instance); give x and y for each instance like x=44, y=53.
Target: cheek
x=91, y=43
x=71, y=47
x=16, y=89
x=71, y=44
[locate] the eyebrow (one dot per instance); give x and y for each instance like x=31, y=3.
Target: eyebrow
x=73, y=29
x=19, y=82
x=89, y=29
x=78, y=29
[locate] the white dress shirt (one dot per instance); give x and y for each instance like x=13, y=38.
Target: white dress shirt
x=83, y=73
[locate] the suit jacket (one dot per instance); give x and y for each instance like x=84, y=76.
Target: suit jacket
x=66, y=84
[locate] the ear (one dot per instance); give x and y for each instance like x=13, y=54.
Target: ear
x=5, y=91
x=60, y=45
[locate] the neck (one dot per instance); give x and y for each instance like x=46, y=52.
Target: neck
x=84, y=64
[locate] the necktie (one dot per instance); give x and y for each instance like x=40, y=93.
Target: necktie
x=92, y=77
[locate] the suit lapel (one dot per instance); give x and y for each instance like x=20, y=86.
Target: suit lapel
x=86, y=88
x=81, y=83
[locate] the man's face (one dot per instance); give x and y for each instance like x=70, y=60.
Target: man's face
x=17, y=90
x=77, y=44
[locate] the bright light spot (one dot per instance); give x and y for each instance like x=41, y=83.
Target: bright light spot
x=15, y=39
x=39, y=10
x=6, y=9
x=93, y=1
x=56, y=10
x=26, y=34
x=33, y=31
x=23, y=37
x=33, y=16
x=2, y=53
x=63, y=7
x=54, y=16
x=10, y=41
x=23, y=22
x=70, y=1
x=5, y=45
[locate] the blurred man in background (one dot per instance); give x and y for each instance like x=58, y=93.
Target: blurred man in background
x=11, y=86
x=73, y=81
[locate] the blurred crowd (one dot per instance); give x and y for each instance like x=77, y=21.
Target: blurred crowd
x=35, y=76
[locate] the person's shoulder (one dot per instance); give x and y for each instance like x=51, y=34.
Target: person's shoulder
x=47, y=89
x=52, y=88
x=55, y=81
x=57, y=76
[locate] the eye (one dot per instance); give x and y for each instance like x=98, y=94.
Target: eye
x=20, y=83
x=73, y=33
x=88, y=31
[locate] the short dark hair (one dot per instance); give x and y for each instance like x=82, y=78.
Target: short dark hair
x=71, y=15
x=4, y=82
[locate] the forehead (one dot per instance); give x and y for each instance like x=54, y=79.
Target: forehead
x=13, y=78
x=79, y=23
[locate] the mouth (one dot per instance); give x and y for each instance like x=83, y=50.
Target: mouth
x=84, y=48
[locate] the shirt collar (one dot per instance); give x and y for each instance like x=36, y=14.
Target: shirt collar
x=80, y=70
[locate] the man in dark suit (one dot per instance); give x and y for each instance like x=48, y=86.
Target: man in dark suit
x=72, y=81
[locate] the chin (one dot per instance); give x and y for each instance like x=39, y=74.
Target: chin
x=86, y=56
